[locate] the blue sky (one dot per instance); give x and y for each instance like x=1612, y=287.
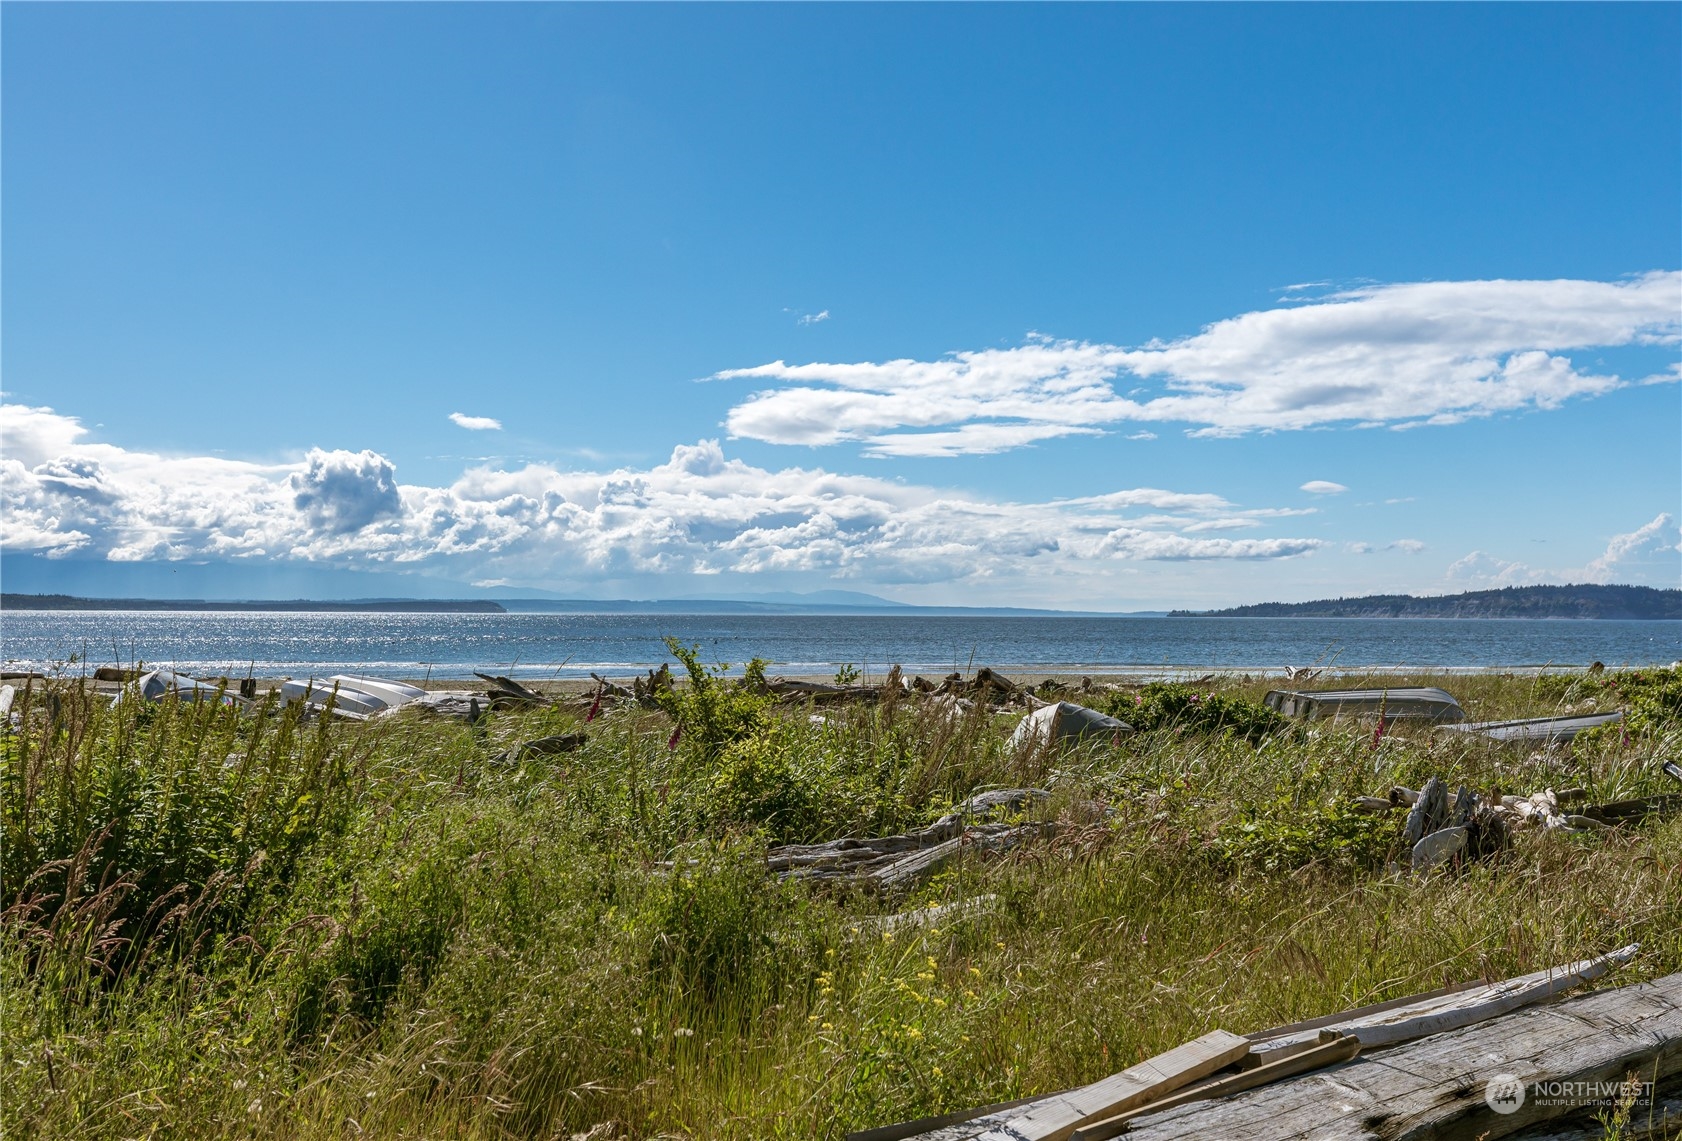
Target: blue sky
x=1091, y=306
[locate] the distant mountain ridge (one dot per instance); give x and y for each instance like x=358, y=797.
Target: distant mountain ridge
x=1588, y=600
x=850, y=603
x=299, y=605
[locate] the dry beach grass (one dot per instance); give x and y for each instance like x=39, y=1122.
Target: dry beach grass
x=226, y=926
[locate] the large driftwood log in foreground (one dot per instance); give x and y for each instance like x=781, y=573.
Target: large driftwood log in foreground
x=1450, y=1011
x=1434, y=1088
x=1284, y=1050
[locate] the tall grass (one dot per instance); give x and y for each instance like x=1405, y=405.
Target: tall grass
x=226, y=926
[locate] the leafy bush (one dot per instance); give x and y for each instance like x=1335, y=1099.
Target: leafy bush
x=1653, y=699
x=711, y=713
x=758, y=783
x=1283, y=836
x=1171, y=705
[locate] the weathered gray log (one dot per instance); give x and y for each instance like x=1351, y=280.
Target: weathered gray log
x=1429, y=812
x=895, y=863
x=506, y=692
x=1009, y=799
x=821, y=691
x=1465, y=804
x=1434, y=1088
x=1623, y=811
x=439, y=703
x=607, y=688
x=940, y=915
x=1439, y=847
x=1457, y=1008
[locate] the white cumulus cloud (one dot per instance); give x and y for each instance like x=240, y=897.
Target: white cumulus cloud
x=699, y=512
x=1323, y=487
x=1623, y=555
x=1402, y=355
x=475, y=423
x=1656, y=535
x=813, y=318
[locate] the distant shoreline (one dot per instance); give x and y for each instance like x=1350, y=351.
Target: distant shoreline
x=297, y=605
x=582, y=606
x=1588, y=601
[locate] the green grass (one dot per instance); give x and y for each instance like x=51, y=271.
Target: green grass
x=219, y=926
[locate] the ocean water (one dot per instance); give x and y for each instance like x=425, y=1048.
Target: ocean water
x=452, y=646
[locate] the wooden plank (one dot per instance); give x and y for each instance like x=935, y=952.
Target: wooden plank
x=1434, y=1088
x=1055, y=1118
x=1326, y=1054
x=1464, y=1008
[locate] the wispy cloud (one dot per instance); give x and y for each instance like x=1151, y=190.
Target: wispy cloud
x=1323, y=487
x=1406, y=546
x=700, y=512
x=1400, y=356
x=475, y=423
x=813, y=318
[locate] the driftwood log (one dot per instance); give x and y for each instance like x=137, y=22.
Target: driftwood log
x=506, y=693
x=898, y=863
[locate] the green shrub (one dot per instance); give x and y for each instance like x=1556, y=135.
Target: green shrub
x=711, y=713
x=1283, y=836
x=758, y=784
x=1172, y=705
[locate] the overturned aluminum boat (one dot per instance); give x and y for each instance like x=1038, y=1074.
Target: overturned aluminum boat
x=1413, y=703
x=160, y=684
x=1549, y=730
x=1065, y=721
x=351, y=694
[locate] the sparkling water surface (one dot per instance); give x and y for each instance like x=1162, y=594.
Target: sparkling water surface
x=452, y=646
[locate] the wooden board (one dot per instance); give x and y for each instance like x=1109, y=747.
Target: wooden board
x=1434, y=1088
x=1054, y=1118
x=1325, y=1054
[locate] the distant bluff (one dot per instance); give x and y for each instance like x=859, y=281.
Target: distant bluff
x=1585, y=601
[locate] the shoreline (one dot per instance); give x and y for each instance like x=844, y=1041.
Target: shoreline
x=1123, y=676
